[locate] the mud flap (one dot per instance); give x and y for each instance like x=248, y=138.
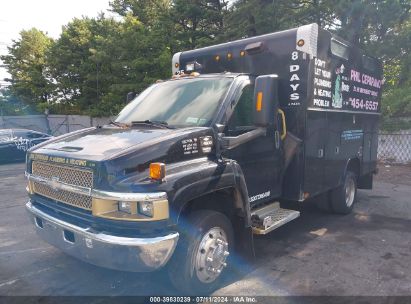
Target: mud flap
x=244, y=239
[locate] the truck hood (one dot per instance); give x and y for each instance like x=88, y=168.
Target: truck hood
x=102, y=143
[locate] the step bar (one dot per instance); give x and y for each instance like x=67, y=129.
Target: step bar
x=271, y=217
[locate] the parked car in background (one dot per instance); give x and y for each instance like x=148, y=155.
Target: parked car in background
x=14, y=143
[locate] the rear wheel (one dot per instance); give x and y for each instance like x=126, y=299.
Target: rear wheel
x=342, y=199
x=322, y=202
x=200, y=260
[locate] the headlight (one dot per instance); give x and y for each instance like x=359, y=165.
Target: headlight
x=146, y=208
x=124, y=207
x=125, y=210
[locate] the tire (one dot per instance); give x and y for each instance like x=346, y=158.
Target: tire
x=322, y=202
x=208, y=234
x=342, y=199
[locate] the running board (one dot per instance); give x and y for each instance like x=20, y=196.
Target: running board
x=271, y=217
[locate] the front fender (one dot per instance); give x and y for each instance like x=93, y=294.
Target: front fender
x=198, y=178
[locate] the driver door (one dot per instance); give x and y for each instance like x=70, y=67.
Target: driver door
x=260, y=159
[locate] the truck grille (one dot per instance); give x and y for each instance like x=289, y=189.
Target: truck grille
x=64, y=174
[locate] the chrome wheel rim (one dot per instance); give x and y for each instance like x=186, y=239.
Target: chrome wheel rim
x=211, y=255
x=349, y=192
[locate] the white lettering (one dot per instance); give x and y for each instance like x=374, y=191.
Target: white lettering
x=345, y=87
x=259, y=196
x=321, y=102
x=295, y=96
x=320, y=63
x=295, y=77
x=322, y=83
x=294, y=68
x=294, y=86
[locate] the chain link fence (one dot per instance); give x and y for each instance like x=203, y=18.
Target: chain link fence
x=52, y=124
x=395, y=147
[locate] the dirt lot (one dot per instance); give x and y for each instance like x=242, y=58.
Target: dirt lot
x=365, y=253
x=397, y=175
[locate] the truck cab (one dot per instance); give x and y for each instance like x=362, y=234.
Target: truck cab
x=195, y=165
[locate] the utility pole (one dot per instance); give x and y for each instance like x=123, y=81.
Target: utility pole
x=97, y=82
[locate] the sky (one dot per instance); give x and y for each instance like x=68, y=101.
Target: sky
x=46, y=15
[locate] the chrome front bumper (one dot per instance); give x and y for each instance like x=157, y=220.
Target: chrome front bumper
x=109, y=251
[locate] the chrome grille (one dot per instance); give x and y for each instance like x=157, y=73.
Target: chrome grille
x=68, y=175
x=74, y=199
x=64, y=174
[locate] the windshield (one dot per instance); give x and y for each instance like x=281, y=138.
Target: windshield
x=179, y=103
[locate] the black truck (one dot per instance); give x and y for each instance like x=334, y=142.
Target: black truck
x=196, y=165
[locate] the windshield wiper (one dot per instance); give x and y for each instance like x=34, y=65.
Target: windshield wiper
x=117, y=124
x=160, y=124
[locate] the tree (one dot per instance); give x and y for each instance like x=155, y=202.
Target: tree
x=148, y=12
x=185, y=24
x=77, y=62
x=26, y=63
x=96, y=62
x=197, y=22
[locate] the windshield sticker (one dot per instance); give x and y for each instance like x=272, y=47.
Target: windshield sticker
x=190, y=146
x=202, y=121
x=192, y=120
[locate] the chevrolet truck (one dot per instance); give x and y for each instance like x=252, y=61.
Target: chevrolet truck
x=196, y=165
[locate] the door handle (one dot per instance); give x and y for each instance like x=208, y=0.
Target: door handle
x=284, y=125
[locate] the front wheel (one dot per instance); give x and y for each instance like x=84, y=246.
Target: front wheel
x=201, y=257
x=342, y=199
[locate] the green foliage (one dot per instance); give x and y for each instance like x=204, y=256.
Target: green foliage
x=249, y=18
x=149, y=12
x=26, y=62
x=394, y=125
x=95, y=62
x=397, y=102
x=11, y=105
x=197, y=22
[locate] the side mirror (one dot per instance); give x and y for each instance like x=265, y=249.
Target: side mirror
x=231, y=142
x=131, y=96
x=265, y=100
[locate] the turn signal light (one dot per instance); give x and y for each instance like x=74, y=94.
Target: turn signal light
x=157, y=171
x=259, y=104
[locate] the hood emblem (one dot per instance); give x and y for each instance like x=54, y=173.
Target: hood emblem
x=55, y=182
